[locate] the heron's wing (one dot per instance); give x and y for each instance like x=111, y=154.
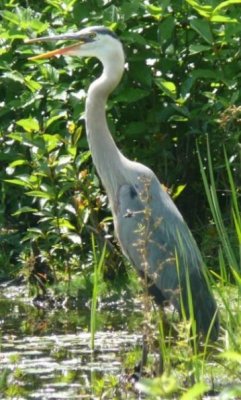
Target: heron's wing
x=158, y=242
x=154, y=235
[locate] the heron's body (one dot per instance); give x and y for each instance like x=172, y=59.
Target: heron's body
x=150, y=229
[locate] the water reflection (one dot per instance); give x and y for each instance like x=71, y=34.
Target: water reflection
x=45, y=354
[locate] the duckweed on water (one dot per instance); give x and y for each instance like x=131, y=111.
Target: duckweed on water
x=47, y=355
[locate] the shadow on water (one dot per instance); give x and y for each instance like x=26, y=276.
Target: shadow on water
x=45, y=354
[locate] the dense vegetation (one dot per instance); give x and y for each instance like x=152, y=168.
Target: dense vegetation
x=176, y=110
x=181, y=91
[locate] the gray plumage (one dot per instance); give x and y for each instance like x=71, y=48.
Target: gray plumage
x=150, y=229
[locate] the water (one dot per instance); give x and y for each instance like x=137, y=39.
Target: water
x=45, y=354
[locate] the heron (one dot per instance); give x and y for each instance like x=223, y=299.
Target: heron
x=151, y=231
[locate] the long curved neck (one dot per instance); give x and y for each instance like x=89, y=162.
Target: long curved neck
x=106, y=156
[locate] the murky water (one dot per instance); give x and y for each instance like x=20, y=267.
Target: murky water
x=47, y=354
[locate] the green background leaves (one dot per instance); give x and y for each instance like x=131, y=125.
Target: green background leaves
x=182, y=84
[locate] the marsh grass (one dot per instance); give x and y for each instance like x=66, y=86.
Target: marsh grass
x=98, y=259
x=191, y=369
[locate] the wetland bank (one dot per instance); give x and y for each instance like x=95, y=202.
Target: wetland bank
x=72, y=319
x=46, y=354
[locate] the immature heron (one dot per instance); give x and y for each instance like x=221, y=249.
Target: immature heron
x=150, y=229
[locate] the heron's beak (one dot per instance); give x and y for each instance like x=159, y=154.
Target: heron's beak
x=64, y=50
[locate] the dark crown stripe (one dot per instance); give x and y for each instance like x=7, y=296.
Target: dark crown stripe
x=106, y=31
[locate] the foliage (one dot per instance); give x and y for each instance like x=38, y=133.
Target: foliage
x=182, y=84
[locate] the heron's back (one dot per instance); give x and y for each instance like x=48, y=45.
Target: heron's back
x=157, y=241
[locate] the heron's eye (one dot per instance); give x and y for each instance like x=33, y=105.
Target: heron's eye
x=92, y=35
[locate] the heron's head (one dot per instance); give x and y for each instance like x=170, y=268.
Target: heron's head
x=94, y=41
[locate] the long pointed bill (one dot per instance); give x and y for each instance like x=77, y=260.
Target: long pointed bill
x=57, y=52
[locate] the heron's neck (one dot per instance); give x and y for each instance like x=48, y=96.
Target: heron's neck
x=106, y=156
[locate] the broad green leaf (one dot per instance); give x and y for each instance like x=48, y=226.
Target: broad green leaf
x=129, y=9
x=155, y=11
x=39, y=193
x=130, y=95
x=63, y=223
x=18, y=136
x=178, y=190
x=64, y=188
x=77, y=134
x=24, y=20
x=29, y=124
x=37, y=25
x=14, y=76
x=52, y=141
x=55, y=118
x=10, y=16
x=162, y=386
x=82, y=158
x=205, y=73
x=17, y=181
x=202, y=27
x=203, y=10
x=16, y=163
x=76, y=239
x=135, y=128
x=72, y=150
x=64, y=160
x=195, y=391
x=225, y=4
x=31, y=84
x=223, y=19
x=198, y=48
x=166, y=30
x=133, y=37
x=168, y=87
x=24, y=210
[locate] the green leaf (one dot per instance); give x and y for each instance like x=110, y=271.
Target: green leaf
x=15, y=76
x=52, y=141
x=77, y=134
x=223, y=19
x=198, y=48
x=76, y=239
x=130, y=95
x=64, y=223
x=168, y=87
x=55, y=118
x=23, y=210
x=202, y=27
x=225, y=4
x=231, y=356
x=205, y=73
x=162, y=386
x=166, y=30
x=39, y=193
x=135, y=129
x=195, y=391
x=129, y=9
x=31, y=84
x=155, y=11
x=10, y=16
x=203, y=10
x=178, y=190
x=17, y=163
x=19, y=182
x=29, y=124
